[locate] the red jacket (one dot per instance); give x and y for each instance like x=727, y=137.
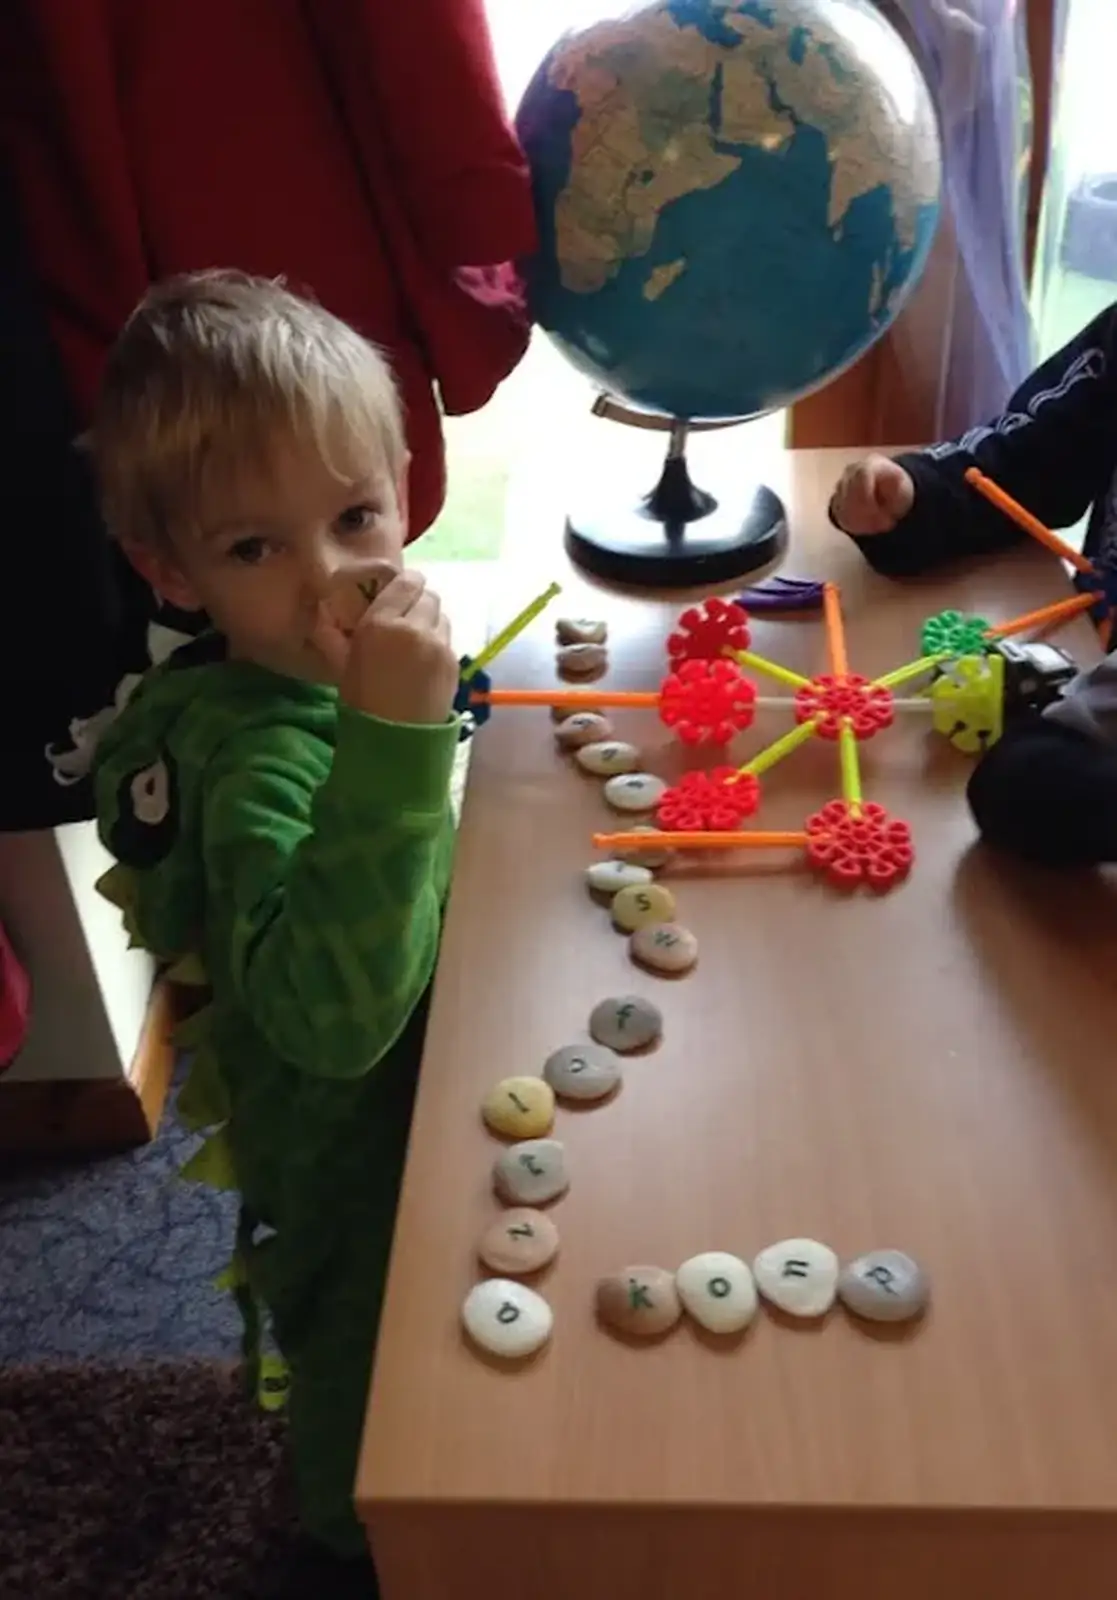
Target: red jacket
x=359, y=147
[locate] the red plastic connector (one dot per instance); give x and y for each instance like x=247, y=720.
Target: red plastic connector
x=866, y=706
x=707, y=702
x=705, y=632
x=717, y=801
x=867, y=847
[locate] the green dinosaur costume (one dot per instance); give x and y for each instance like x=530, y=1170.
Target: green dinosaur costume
x=295, y=854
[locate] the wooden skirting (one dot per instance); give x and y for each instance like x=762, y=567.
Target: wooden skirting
x=99, y=1115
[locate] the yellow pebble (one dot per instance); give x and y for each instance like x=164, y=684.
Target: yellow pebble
x=520, y=1108
x=641, y=904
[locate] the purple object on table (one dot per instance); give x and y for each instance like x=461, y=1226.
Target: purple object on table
x=783, y=594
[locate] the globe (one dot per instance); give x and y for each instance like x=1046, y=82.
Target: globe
x=734, y=199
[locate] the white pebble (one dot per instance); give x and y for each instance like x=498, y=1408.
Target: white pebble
x=610, y=877
x=664, y=947
x=653, y=856
x=532, y=1172
x=507, y=1319
x=606, y=760
x=718, y=1290
x=580, y=630
x=584, y=727
x=800, y=1276
x=635, y=791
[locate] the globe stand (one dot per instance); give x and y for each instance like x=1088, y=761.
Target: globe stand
x=679, y=536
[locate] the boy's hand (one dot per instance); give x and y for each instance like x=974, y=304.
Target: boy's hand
x=398, y=664
x=872, y=496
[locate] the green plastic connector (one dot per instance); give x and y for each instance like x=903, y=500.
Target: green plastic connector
x=955, y=634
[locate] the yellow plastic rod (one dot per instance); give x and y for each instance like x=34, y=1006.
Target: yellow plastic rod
x=851, y=767
x=771, y=669
x=913, y=669
x=776, y=752
x=504, y=638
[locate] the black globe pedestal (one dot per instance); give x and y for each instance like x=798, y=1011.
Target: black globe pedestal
x=680, y=536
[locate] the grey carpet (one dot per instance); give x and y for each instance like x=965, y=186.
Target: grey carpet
x=114, y=1259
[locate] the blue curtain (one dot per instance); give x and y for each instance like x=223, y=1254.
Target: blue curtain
x=975, y=56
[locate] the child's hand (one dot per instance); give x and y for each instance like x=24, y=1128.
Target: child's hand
x=398, y=664
x=872, y=496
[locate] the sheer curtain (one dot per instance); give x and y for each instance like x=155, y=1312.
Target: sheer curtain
x=1076, y=260
x=975, y=56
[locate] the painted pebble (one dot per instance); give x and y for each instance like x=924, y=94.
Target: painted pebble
x=580, y=630
x=641, y=904
x=507, y=1319
x=884, y=1286
x=582, y=1071
x=581, y=660
x=640, y=1300
x=800, y=1276
x=665, y=947
x=519, y=1241
x=520, y=1108
x=605, y=760
x=626, y=1022
x=610, y=877
x=718, y=1290
x=635, y=791
x=564, y=713
x=584, y=727
x=531, y=1173
x=654, y=857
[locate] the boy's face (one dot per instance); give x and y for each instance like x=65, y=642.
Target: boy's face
x=282, y=551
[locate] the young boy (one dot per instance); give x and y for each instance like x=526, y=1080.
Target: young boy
x=279, y=791
x=1047, y=791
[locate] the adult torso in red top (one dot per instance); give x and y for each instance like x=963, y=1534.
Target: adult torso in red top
x=358, y=147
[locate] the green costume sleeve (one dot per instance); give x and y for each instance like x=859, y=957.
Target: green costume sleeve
x=324, y=889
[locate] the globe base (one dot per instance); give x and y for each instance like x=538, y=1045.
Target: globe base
x=679, y=536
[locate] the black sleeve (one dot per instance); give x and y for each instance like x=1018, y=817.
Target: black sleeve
x=1052, y=449
x=1047, y=793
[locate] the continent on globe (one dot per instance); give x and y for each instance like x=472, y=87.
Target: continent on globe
x=735, y=197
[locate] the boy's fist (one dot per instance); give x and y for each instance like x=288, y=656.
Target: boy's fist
x=872, y=496
x=396, y=661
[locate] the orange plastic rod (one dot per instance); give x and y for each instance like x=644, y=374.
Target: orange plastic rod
x=835, y=631
x=564, y=697
x=1061, y=611
x=1024, y=519
x=700, y=841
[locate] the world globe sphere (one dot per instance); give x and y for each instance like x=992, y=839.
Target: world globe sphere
x=734, y=200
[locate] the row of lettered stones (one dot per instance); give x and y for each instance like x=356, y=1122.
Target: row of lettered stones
x=800, y=1277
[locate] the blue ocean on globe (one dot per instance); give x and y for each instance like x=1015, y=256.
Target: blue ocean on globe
x=734, y=199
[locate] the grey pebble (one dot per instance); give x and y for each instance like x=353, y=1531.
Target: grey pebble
x=884, y=1286
x=626, y=1022
x=532, y=1172
x=582, y=1071
x=581, y=660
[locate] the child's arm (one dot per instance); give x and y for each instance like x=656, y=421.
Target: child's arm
x=1052, y=449
x=325, y=890
x=1047, y=791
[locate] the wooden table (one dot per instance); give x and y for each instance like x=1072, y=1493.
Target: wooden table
x=932, y=1070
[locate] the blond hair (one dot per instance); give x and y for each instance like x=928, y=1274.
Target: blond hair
x=212, y=371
